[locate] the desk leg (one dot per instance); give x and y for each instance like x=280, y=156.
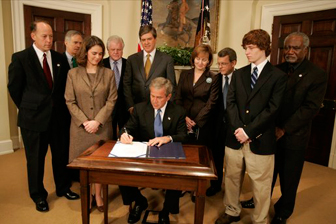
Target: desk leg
x=105, y=201
x=85, y=196
x=200, y=202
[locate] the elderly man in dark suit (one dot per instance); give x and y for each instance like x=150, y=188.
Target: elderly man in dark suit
x=36, y=83
x=115, y=61
x=253, y=100
x=169, y=126
x=303, y=98
x=144, y=66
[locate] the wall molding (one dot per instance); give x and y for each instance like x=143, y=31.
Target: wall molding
x=267, y=16
x=95, y=10
x=6, y=147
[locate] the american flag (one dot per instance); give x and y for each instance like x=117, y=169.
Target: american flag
x=146, y=15
x=203, y=27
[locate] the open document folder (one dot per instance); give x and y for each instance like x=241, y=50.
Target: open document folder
x=173, y=150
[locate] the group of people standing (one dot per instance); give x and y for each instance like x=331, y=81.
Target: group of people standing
x=250, y=113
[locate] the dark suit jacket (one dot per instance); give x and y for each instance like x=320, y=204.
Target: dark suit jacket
x=136, y=87
x=30, y=92
x=200, y=100
x=120, y=109
x=302, y=100
x=141, y=123
x=255, y=110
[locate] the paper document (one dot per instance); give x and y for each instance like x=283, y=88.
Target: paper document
x=134, y=150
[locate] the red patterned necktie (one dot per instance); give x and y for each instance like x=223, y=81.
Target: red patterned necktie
x=46, y=71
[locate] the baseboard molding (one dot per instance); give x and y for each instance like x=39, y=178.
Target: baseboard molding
x=332, y=160
x=6, y=147
x=16, y=142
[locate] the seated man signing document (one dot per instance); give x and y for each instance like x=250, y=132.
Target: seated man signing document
x=158, y=122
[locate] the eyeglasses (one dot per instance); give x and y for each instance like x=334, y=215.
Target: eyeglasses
x=294, y=48
x=117, y=50
x=222, y=64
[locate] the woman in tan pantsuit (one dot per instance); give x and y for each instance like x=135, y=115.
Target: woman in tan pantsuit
x=90, y=95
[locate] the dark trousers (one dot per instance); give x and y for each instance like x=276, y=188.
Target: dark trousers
x=36, y=147
x=171, y=203
x=288, y=165
x=218, y=152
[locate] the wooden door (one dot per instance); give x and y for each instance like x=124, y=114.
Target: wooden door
x=60, y=21
x=321, y=29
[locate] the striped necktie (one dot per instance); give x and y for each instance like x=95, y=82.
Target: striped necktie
x=254, y=77
x=116, y=73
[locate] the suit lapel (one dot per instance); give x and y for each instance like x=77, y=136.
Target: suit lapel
x=203, y=78
x=297, y=75
x=99, y=76
x=246, y=78
x=190, y=81
x=141, y=65
x=156, y=62
x=83, y=74
x=149, y=115
x=263, y=77
x=167, y=118
x=56, y=65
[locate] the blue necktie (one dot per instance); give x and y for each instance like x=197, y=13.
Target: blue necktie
x=254, y=77
x=225, y=90
x=158, y=130
x=116, y=73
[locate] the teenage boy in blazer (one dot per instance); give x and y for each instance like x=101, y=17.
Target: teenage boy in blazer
x=253, y=100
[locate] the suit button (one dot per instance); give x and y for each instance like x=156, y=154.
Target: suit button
x=247, y=111
x=244, y=125
x=91, y=108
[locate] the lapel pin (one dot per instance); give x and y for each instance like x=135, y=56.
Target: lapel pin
x=209, y=80
x=300, y=75
x=168, y=118
x=58, y=65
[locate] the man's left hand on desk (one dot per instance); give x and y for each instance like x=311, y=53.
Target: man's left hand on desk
x=158, y=141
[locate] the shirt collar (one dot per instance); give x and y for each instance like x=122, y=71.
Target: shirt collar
x=152, y=54
x=39, y=52
x=260, y=66
x=163, y=109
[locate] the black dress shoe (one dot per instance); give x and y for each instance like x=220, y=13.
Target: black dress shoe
x=278, y=220
x=163, y=217
x=248, y=203
x=227, y=219
x=42, y=206
x=211, y=191
x=70, y=195
x=135, y=214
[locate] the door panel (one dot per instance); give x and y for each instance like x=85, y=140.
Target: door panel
x=60, y=21
x=321, y=29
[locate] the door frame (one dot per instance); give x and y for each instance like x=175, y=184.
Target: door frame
x=95, y=10
x=288, y=8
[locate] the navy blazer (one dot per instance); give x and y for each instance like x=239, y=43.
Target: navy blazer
x=30, y=92
x=255, y=110
x=141, y=123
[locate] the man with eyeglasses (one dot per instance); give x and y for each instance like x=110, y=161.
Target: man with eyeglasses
x=226, y=61
x=115, y=61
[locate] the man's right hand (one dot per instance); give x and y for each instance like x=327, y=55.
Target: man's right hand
x=126, y=138
x=130, y=110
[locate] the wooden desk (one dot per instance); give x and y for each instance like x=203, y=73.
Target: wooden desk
x=190, y=174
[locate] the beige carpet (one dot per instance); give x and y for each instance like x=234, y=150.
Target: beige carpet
x=316, y=200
